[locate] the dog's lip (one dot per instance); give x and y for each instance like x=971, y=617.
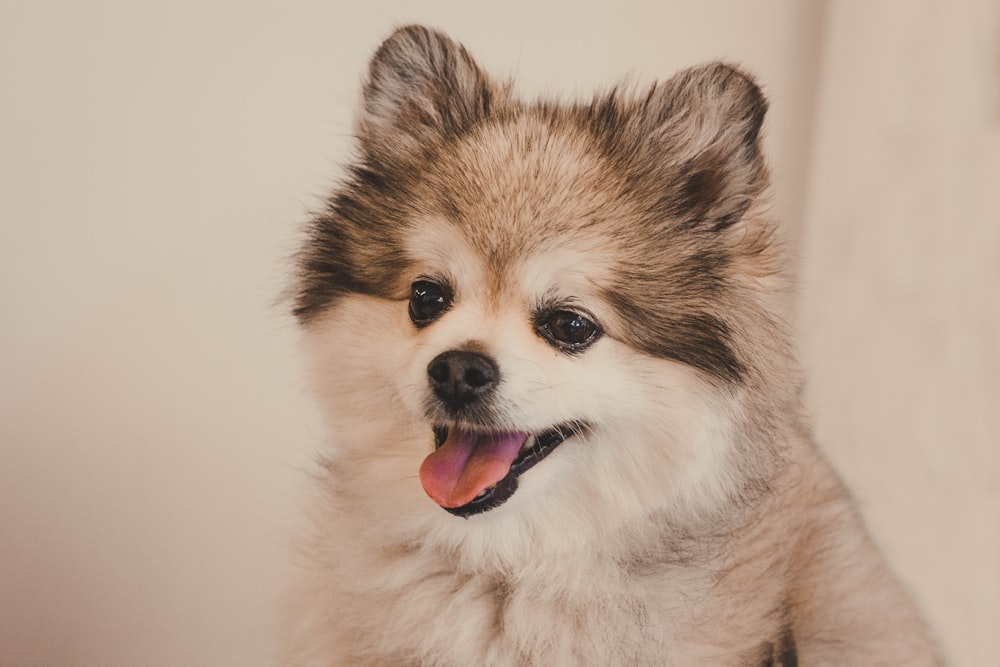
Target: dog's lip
x=536, y=448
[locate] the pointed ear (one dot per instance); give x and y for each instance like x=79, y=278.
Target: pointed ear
x=706, y=122
x=422, y=87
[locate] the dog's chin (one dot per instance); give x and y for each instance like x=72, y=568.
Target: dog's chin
x=534, y=448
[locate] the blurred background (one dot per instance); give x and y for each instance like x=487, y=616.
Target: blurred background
x=157, y=161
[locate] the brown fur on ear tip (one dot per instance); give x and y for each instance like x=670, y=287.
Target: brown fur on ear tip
x=707, y=105
x=421, y=87
x=706, y=135
x=748, y=100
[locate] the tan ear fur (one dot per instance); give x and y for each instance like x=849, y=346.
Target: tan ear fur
x=422, y=88
x=705, y=122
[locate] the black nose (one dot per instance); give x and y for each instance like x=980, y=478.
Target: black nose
x=460, y=377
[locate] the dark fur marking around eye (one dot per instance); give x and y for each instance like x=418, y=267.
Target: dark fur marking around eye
x=698, y=339
x=354, y=245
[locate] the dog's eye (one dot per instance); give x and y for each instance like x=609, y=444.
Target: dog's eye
x=427, y=301
x=566, y=330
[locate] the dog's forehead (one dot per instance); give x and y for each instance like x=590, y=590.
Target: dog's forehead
x=525, y=201
x=511, y=185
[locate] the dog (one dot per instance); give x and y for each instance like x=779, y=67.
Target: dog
x=549, y=339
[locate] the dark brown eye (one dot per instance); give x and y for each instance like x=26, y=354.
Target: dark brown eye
x=566, y=330
x=428, y=300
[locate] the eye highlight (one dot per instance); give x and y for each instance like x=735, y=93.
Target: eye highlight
x=566, y=330
x=428, y=301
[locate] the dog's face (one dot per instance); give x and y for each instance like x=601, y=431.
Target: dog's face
x=521, y=311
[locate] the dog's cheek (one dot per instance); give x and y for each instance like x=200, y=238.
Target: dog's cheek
x=673, y=430
x=352, y=352
x=658, y=435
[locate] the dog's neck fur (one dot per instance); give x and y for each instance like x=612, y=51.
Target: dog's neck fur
x=660, y=582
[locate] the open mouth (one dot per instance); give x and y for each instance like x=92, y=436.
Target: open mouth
x=474, y=471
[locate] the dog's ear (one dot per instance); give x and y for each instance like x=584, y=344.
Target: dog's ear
x=705, y=124
x=421, y=88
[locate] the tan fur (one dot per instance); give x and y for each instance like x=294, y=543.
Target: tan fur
x=691, y=521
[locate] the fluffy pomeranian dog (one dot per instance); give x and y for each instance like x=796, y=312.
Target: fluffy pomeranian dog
x=549, y=342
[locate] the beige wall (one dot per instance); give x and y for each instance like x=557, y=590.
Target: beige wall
x=900, y=313
x=156, y=159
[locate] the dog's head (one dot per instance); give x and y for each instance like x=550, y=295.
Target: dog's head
x=541, y=305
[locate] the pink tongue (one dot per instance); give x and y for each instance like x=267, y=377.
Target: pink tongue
x=467, y=463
